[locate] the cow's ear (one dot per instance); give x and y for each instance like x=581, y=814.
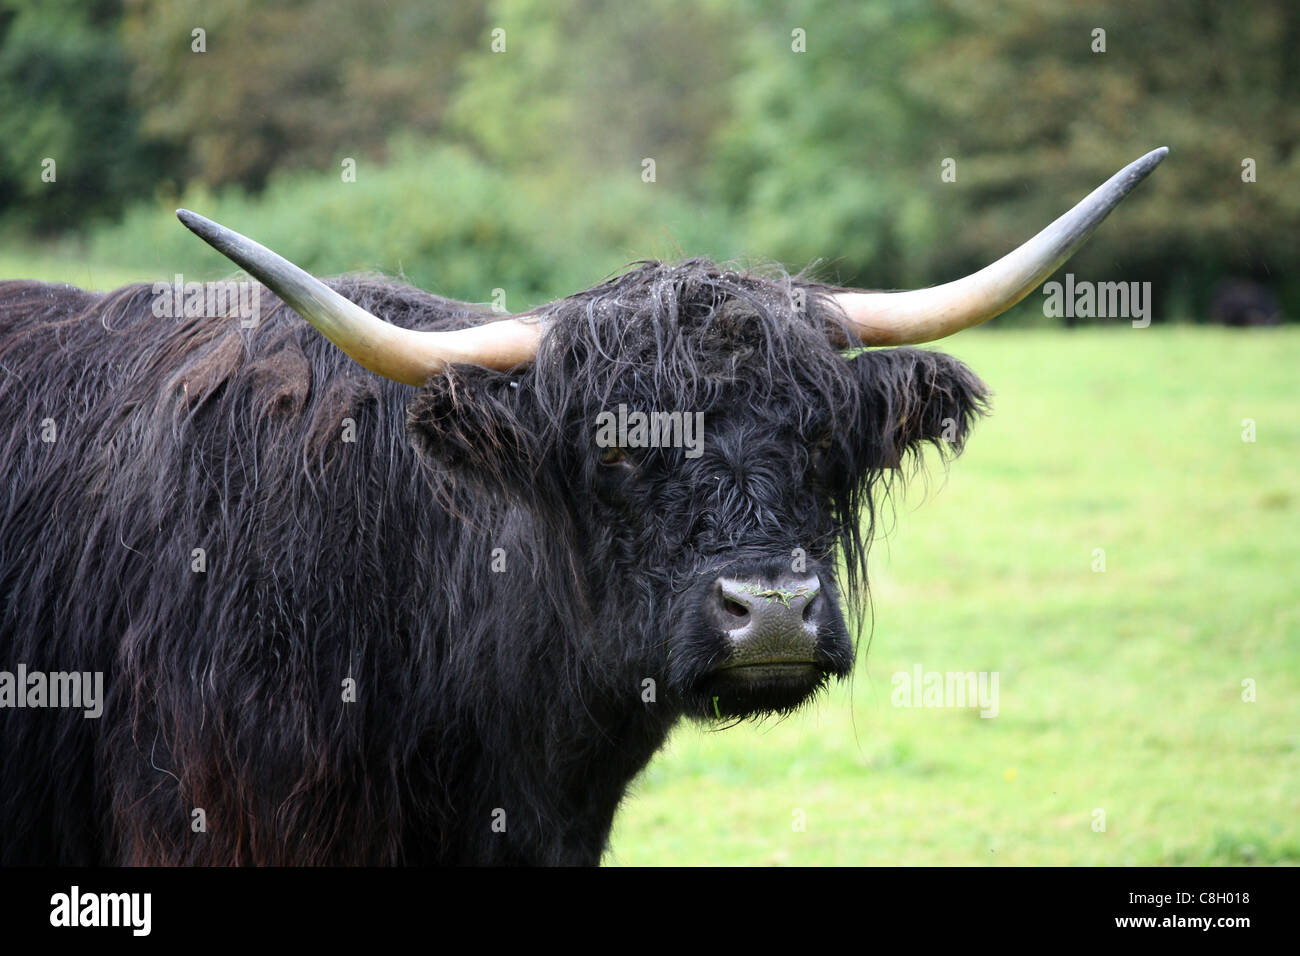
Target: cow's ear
x=911, y=396
x=479, y=424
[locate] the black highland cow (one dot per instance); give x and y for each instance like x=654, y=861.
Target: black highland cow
x=431, y=644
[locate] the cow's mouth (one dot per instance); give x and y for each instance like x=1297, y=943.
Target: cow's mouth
x=763, y=670
x=750, y=688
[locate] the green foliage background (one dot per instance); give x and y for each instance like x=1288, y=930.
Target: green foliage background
x=522, y=169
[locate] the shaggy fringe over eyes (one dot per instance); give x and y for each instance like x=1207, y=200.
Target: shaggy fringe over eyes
x=702, y=338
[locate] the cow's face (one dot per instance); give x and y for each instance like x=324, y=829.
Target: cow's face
x=707, y=455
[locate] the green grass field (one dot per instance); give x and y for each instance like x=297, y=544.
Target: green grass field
x=70, y=267
x=1119, y=691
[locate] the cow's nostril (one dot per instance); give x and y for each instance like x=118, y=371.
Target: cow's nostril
x=811, y=608
x=735, y=608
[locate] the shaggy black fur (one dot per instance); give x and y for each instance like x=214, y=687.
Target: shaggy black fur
x=482, y=696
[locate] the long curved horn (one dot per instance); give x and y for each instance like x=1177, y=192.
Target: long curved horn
x=404, y=355
x=924, y=315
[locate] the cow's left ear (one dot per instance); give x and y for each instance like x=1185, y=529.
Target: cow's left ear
x=478, y=423
x=911, y=396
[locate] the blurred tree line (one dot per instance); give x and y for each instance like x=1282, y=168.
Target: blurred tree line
x=900, y=142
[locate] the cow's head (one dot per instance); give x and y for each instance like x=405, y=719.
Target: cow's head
x=705, y=442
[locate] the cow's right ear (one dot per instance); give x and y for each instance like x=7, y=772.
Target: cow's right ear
x=478, y=423
x=913, y=396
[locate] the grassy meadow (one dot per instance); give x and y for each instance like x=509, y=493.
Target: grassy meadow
x=70, y=267
x=1120, y=691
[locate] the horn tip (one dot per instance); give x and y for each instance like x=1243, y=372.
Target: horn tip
x=1123, y=181
x=225, y=241
x=199, y=225
x=1152, y=159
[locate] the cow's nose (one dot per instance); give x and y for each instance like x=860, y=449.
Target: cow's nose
x=769, y=621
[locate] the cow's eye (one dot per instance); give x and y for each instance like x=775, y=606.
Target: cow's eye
x=820, y=452
x=612, y=456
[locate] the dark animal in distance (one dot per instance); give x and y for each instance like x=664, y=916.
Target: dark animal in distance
x=457, y=637
x=1243, y=302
